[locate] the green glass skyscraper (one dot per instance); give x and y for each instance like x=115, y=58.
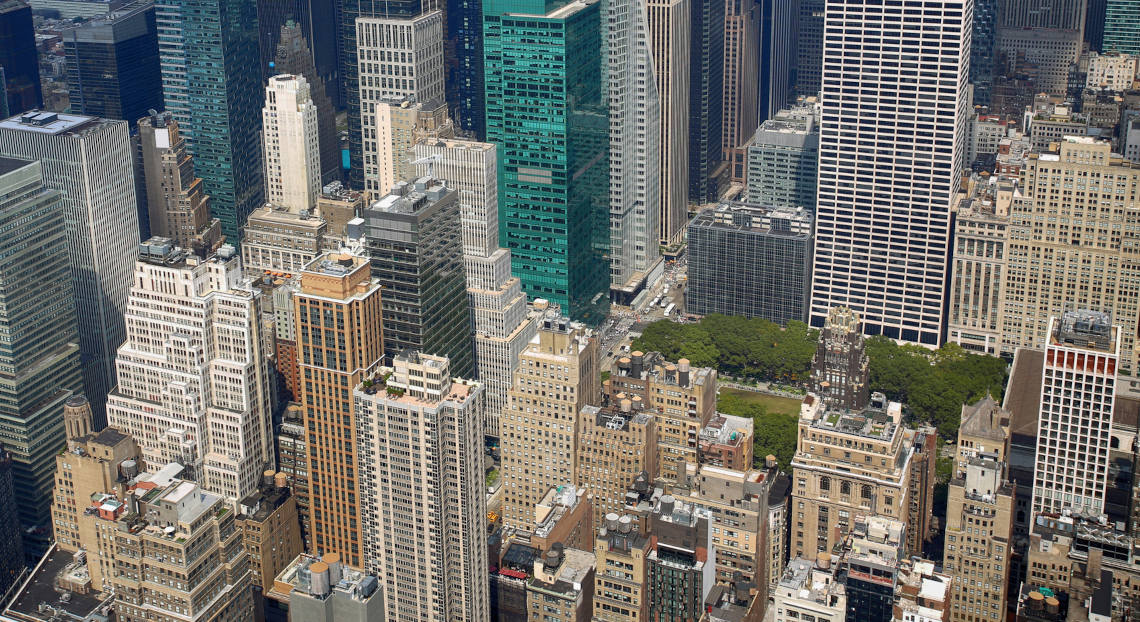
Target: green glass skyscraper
x=1122, y=26
x=547, y=111
x=209, y=54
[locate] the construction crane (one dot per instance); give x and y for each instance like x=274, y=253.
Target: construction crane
x=430, y=161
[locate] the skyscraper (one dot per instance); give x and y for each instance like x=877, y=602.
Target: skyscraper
x=291, y=144
x=423, y=506
x=1062, y=14
x=741, y=74
x=839, y=371
x=112, y=64
x=809, y=48
x=350, y=68
x=883, y=219
x=400, y=58
x=41, y=360
x=88, y=160
x=177, y=207
x=333, y=360
x=1122, y=26
x=636, y=166
x=539, y=443
x=293, y=56
x=18, y=57
x=670, y=41
x=466, y=26
x=783, y=160
x=503, y=326
x=554, y=147
x=414, y=237
x=982, y=42
x=194, y=384
x=1078, y=393
x=215, y=97
x=778, y=57
x=706, y=99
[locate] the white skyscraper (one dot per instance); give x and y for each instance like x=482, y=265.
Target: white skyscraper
x=291, y=144
x=635, y=137
x=90, y=162
x=193, y=380
x=891, y=150
x=397, y=58
x=503, y=326
x=422, y=491
x=1078, y=394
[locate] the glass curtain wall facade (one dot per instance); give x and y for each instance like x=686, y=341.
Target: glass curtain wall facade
x=546, y=111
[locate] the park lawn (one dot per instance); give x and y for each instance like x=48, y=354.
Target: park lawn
x=771, y=403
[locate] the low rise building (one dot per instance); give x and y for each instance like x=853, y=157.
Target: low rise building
x=278, y=241
x=620, y=580
x=615, y=444
x=270, y=530
x=922, y=595
x=561, y=588
x=809, y=589
x=869, y=567
x=726, y=441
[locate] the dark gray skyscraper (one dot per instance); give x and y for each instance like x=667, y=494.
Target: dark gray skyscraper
x=706, y=98
x=750, y=260
x=18, y=57
x=415, y=240
x=112, y=64
x=40, y=355
x=809, y=48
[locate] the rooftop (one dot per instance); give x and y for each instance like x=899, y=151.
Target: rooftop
x=336, y=264
x=410, y=198
x=8, y=165
x=754, y=218
x=1090, y=330
x=334, y=579
x=39, y=598
x=43, y=122
x=726, y=430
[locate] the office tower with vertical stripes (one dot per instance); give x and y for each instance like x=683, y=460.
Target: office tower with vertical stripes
x=291, y=144
x=889, y=163
x=89, y=161
x=706, y=99
x=41, y=355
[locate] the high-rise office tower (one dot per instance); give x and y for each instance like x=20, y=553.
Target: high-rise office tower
x=980, y=488
x=400, y=59
x=809, y=48
x=194, y=384
x=42, y=358
x=503, y=325
x=1094, y=24
x=783, y=160
x=414, y=237
x=553, y=147
x=466, y=26
x=706, y=99
x=293, y=57
x=537, y=433
x=978, y=268
x=777, y=56
x=636, y=165
x=333, y=360
x=291, y=145
x=982, y=59
x=88, y=160
x=112, y=64
x=670, y=40
x=1078, y=393
x=215, y=97
x=1122, y=26
x=350, y=68
x=18, y=57
x=752, y=261
x=741, y=72
x=883, y=240
x=177, y=206
x=869, y=567
x=11, y=545
x=423, y=506
x=839, y=371
x=1088, y=267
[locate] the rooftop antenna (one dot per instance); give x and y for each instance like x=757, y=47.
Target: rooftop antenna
x=430, y=161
